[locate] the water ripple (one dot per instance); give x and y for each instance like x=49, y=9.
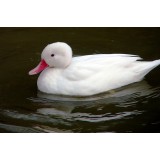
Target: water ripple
x=115, y=109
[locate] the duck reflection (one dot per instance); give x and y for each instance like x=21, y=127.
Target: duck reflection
x=127, y=96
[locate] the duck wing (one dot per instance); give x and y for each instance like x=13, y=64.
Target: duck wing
x=90, y=66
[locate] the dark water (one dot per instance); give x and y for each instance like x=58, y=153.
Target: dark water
x=133, y=108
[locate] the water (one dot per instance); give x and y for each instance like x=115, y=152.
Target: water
x=133, y=108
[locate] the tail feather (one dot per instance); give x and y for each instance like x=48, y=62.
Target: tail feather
x=146, y=67
x=153, y=65
x=156, y=62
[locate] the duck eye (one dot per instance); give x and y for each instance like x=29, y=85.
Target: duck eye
x=52, y=55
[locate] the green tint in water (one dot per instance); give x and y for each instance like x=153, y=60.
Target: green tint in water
x=133, y=108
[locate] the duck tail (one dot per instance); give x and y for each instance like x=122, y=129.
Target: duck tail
x=148, y=66
x=154, y=64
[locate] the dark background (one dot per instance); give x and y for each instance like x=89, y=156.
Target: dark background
x=22, y=110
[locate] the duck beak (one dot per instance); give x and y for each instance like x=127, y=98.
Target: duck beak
x=41, y=66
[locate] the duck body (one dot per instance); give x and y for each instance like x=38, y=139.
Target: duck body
x=87, y=75
x=94, y=74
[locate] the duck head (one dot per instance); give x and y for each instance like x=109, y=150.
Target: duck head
x=55, y=55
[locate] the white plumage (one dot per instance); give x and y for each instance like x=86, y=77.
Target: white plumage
x=90, y=74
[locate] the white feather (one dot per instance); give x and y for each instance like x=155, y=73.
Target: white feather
x=93, y=74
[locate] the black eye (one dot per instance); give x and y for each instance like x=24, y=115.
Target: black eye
x=52, y=55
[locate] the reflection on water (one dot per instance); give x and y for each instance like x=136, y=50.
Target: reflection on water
x=98, y=113
x=133, y=108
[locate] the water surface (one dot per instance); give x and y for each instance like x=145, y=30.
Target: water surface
x=133, y=108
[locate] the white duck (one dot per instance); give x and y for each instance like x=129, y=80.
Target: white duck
x=87, y=75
